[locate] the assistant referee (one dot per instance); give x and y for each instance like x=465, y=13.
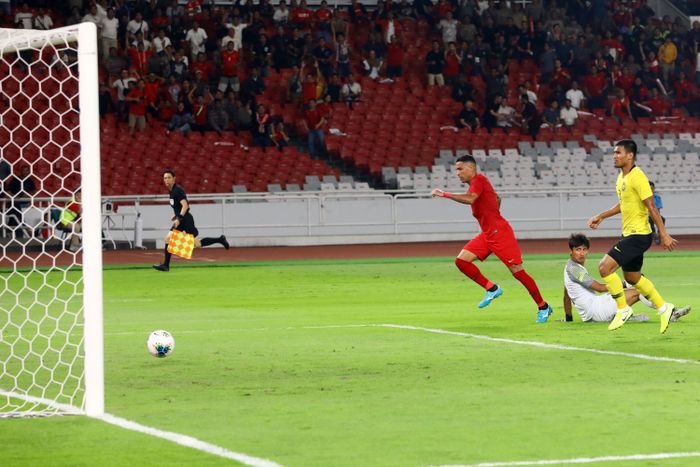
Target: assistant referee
x=182, y=220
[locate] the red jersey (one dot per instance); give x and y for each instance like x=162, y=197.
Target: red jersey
x=451, y=64
x=302, y=16
x=626, y=82
x=323, y=15
x=596, y=83
x=205, y=67
x=684, y=91
x=312, y=118
x=229, y=62
x=150, y=91
x=308, y=91
x=139, y=60
x=485, y=208
x=394, y=55
x=137, y=108
x=199, y=113
x=658, y=106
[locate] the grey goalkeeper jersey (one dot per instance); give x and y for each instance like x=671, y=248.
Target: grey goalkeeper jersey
x=578, y=282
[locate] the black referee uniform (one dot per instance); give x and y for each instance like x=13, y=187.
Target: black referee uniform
x=177, y=196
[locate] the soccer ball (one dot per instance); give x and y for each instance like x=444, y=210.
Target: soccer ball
x=160, y=344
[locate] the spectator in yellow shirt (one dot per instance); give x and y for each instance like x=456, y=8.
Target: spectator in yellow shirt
x=667, y=58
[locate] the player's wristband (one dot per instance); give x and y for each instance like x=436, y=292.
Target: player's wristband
x=446, y=194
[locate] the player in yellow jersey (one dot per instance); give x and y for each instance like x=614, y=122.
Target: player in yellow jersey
x=636, y=206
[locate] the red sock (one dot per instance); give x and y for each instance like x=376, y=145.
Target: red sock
x=472, y=272
x=530, y=285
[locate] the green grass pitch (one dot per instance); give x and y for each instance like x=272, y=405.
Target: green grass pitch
x=266, y=364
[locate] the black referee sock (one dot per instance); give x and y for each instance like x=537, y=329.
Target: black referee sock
x=168, y=255
x=210, y=241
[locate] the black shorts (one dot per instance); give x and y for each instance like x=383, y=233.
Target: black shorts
x=187, y=225
x=629, y=251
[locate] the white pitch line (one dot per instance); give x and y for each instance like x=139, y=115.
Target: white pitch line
x=177, y=438
x=188, y=441
x=543, y=345
x=585, y=460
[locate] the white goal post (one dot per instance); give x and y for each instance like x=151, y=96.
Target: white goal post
x=51, y=336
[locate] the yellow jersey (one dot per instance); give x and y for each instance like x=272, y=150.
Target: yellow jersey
x=632, y=189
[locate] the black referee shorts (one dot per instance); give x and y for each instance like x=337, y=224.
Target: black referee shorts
x=629, y=251
x=187, y=225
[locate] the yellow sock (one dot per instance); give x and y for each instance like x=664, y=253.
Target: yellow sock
x=647, y=289
x=614, y=284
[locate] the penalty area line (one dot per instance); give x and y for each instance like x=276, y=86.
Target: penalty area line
x=187, y=441
x=585, y=460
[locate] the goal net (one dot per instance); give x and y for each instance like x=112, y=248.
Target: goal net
x=50, y=237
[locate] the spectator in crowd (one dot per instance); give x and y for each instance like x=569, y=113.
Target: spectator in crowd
x=351, y=91
x=216, y=114
x=468, y=118
x=575, y=95
x=253, y=86
x=448, y=27
x=394, y=58
x=135, y=26
x=137, y=107
x=279, y=136
x=230, y=59
x=453, y=62
x=24, y=17
x=462, y=91
x=197, y=38
x=123, y=86
x=109, y=27
x=21, y=188
x=668, y=53
x=281, y=15
x=294, y=86
x=656, y=106
x=435, y=61
x=373, y=65
x=684, y=91
x=43, y=21
x=161, y=42
x=343, y=55
x=531, y=120
x=181, y=121
x=620, y=108
x=314, y=122
x=551, y=115
x=568, y=114
x=261, y=127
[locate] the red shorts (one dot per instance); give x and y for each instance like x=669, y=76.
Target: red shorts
x=500, y=241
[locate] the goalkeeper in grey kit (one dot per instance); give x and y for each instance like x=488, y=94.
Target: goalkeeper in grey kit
x=182, y=220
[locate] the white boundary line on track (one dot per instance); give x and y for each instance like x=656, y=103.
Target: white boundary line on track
x=585, y=460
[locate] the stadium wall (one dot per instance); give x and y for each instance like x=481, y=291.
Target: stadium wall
x=378, y=217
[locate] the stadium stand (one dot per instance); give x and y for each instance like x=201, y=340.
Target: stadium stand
x=400, y=126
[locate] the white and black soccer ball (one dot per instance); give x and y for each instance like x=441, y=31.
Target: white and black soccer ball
x=160, y=344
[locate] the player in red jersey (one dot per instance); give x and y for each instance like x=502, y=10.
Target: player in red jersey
x=496, y=237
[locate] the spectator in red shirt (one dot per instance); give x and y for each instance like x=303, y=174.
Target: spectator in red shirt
x=139, y=58
x=620, y=107
x=394, y=58
x=230, y=58
x=279, y=136
x=684, y=91
x=137, y=107
x=452, y=64
x=151, y=89
x=357, y=12
x=561, y=76
x=595, y=85
x=657, y=104
x=302, y=16
x=309, y=85
x=314, y=121
x=199, y=112
x=626, y=81
x=203, y=65
x=323, y=17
